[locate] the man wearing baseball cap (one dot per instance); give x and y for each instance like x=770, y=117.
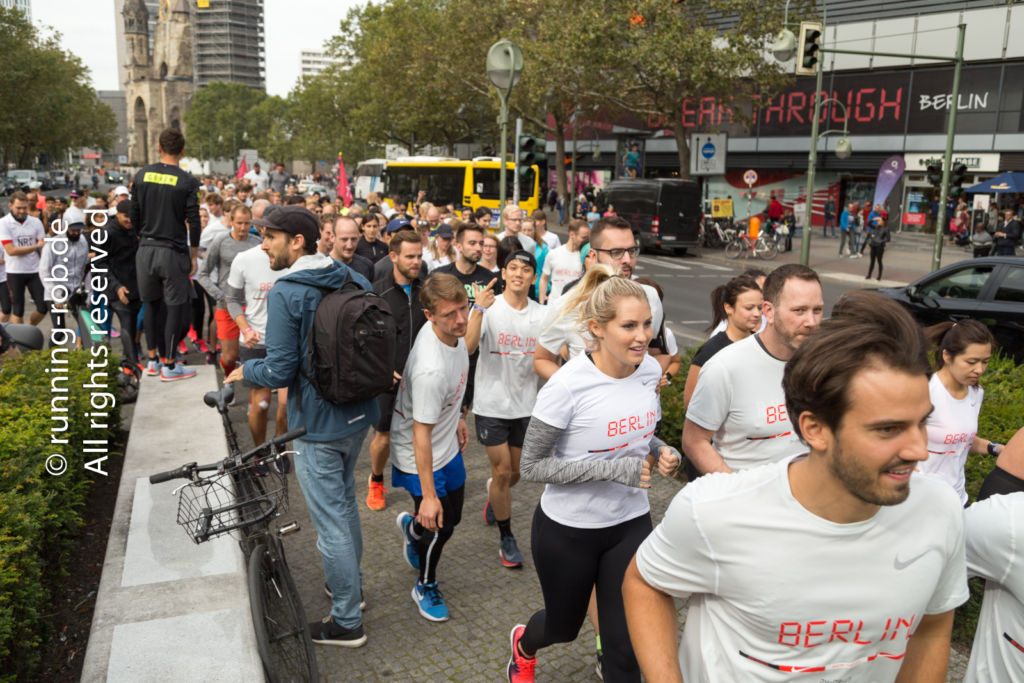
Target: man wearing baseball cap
x=334, y=433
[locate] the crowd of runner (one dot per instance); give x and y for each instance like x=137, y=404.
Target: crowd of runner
x=825, y=525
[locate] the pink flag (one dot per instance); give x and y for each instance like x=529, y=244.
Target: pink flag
x=243, y=168
x=343, y=190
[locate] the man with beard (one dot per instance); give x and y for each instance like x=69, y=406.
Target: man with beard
x=737, y=417
x=400, y=287
x=831, y=561
x=334, y=432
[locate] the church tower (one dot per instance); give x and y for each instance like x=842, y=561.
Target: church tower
x=136, y=35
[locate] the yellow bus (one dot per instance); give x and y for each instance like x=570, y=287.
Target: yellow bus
x=461, y=182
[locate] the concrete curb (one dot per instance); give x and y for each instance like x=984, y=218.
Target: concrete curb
x=168, y=609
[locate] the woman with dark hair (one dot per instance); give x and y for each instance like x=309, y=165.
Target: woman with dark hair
x=877, y=240
x=962, y=355
x=737, y=303
x=370, y=244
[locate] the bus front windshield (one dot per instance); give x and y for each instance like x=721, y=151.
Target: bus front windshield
x=443, y=185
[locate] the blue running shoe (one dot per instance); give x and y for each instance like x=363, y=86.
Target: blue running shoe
x=178, y=372
x=412, y=556
x=429, y=601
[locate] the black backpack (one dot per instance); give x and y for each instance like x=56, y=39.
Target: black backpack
x=351, y=345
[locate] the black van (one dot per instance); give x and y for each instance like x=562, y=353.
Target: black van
x=664, y=212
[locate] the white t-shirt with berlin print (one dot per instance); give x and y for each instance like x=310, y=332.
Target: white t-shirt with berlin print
x=506, y=385
x=603, y=418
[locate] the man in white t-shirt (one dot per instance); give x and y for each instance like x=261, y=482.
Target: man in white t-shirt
x=428, y=433
x=250, y=278
x=737, y=417
x=994, y=553
x=22, y=237
x=258, y=178
x=613, y=244
x=841, y=562
x=564, y=264
x=505, y=330
x=512, y=220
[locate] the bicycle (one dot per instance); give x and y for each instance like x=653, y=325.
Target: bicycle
x=762, y=247
x=240, y=495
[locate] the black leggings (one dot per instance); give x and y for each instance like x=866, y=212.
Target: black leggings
x=999, y=481
x=876, y=255
x=429, y=544
x=200, y=309
x=570, y=562
x=127, y=314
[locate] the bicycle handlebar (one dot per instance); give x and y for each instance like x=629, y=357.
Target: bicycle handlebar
x=185, y=471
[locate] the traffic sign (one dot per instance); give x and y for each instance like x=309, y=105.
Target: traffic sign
x=708, y=153
x=750, y=177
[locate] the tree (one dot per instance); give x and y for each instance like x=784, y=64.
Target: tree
x=218, y=119
x=687, y=50
x=48, y=104
x=271, y=125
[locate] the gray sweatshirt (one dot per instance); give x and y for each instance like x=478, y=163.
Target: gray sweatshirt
x=219, y=256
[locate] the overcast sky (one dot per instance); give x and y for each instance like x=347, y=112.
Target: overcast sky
x=290, y=26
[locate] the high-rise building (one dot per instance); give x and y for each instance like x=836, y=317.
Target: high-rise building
x=24, y=5
x=229, y=43
x=312, y=62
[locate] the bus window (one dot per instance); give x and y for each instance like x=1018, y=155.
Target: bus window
x=486, y=183
x=443, y=185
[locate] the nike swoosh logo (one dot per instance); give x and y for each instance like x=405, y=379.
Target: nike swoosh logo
x=900, y=565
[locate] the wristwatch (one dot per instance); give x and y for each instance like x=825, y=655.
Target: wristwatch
x=668, y=375
x=992, y=445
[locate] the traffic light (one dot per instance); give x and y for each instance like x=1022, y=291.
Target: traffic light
x=807, y=48
x=935, y=173
x=956, y=180
x=529, y=151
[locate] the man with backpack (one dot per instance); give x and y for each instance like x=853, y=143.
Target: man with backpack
x=334, y=431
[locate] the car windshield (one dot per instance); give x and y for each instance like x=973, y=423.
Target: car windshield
x=965, y=283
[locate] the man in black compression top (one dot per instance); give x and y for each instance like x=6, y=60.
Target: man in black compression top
x=164, y=199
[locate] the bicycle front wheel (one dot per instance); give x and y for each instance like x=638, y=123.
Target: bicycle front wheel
x=282, y=633
x=734, y=248
x=767, y=249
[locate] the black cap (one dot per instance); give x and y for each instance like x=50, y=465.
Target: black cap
x=524, y=256
x=293, y=219
x=445, y=231
x=124, y=206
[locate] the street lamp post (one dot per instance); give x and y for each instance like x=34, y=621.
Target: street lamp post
x=504, y=68
x=843, y=151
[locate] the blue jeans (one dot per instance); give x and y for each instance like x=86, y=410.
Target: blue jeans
x=326, y=473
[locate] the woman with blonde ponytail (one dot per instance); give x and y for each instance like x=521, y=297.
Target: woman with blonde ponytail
x=591, y=440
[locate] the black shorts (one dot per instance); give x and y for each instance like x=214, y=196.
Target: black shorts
x=5, y=298
x=17, y=283
x=245, y=353
x=494, y=431
x=386, y=404
x=163, y=274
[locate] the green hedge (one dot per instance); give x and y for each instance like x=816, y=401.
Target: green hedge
x=40, y=513
x=1002, y=414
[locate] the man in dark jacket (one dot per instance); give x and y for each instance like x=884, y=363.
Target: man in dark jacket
x=334, y=433
x=123, y=292
x=1007, y=236
x=400, y=288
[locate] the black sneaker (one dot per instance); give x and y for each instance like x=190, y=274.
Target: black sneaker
x=328, y=632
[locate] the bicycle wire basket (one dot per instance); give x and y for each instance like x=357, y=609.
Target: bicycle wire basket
x=232, y=500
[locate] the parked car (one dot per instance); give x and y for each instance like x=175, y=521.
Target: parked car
x=25, y=179
x=664, y=212
x=989, y=289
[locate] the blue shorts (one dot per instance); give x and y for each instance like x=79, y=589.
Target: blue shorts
x=449, y=478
